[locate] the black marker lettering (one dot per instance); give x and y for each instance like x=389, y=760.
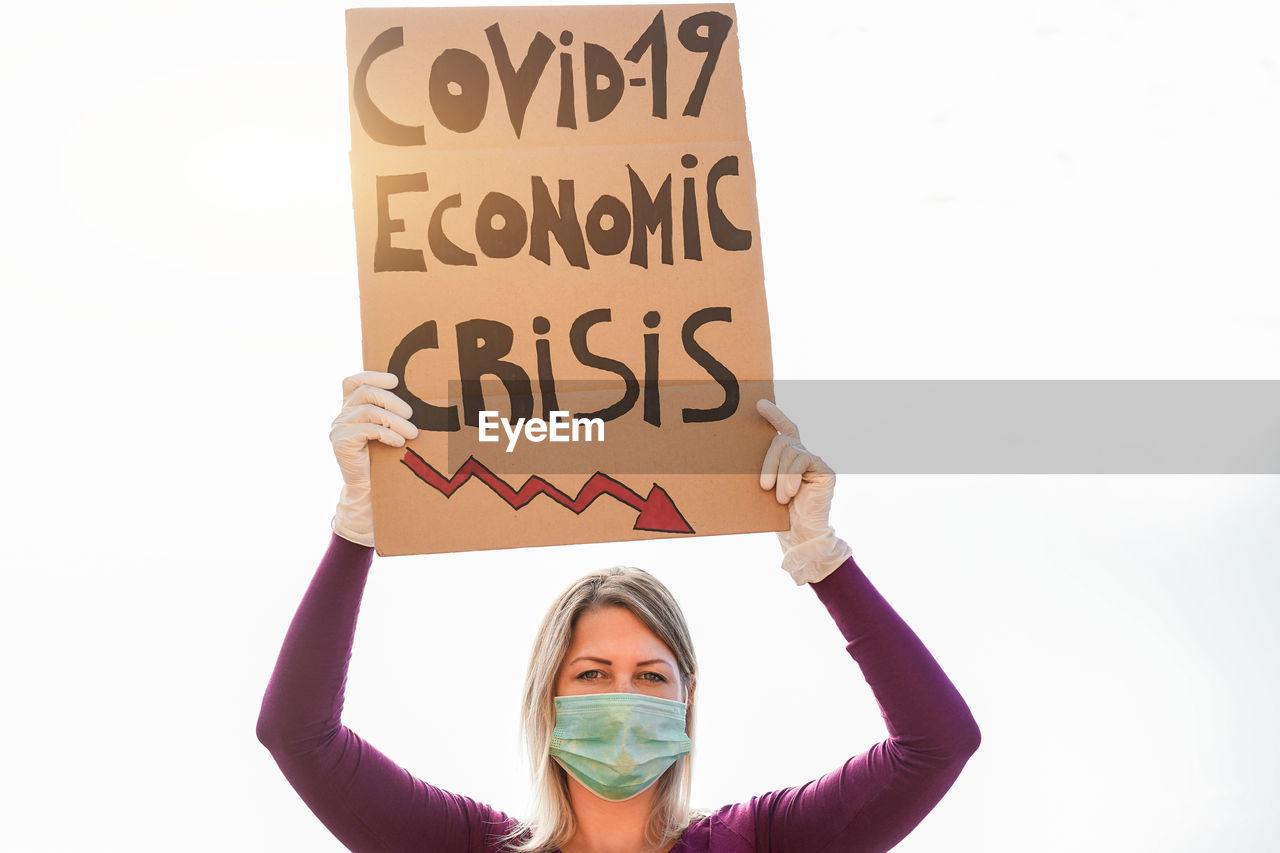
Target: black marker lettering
x=599, y=63
x=425, y=416
x=562, y=222
x=709, y=363
x=463, y=110
x=654, y=40
x=652, y=402
x=373, y=120
x=717, y=26
x=647, y=216
x=566, y=115
x=611, y=240
x=546, y=379
x=725, y=234
x=689, y=213
x=578, y=342
x=441, y=246
x=481, y=346
x=518, y=85
x=386, y=257
x=507, y=240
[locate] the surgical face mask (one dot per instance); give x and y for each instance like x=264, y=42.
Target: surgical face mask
x=618, y=744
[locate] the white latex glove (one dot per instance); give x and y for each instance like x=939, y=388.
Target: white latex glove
x=810, y=549
x=369, y=412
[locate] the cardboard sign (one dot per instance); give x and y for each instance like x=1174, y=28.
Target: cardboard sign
x=559, y=256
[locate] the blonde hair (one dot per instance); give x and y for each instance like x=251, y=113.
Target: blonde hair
x=551, y=822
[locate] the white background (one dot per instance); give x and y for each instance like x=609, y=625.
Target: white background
x=988, y=189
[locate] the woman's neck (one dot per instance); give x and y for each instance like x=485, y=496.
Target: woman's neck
x=605, y=826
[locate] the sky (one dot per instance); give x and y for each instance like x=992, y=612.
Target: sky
x=988, y=190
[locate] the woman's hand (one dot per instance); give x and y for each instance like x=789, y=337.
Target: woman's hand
x=810, y=549
x=369, y=412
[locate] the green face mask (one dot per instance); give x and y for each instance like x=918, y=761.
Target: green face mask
x=618, y=744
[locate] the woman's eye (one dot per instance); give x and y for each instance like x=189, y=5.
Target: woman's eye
x=653, y=676
x=591, y=675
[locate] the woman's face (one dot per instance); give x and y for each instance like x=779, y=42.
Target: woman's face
x=613, y=652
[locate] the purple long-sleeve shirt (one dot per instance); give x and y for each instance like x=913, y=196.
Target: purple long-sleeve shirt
x=370, y=803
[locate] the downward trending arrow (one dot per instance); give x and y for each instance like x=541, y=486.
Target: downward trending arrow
x=658, y=512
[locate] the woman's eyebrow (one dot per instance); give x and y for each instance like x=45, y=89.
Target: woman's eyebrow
x=610, y=663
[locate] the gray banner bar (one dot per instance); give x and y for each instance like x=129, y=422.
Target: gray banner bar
x=1039, y=426
x=938, y=427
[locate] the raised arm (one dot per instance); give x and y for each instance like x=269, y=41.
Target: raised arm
x=875, y=799
x=366, y=800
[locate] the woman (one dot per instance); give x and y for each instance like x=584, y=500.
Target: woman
x=609, y=699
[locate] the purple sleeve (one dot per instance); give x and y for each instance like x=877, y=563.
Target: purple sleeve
x=875, y=799
x=366, y=800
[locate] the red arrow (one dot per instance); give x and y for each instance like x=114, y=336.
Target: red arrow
x=657, y=511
